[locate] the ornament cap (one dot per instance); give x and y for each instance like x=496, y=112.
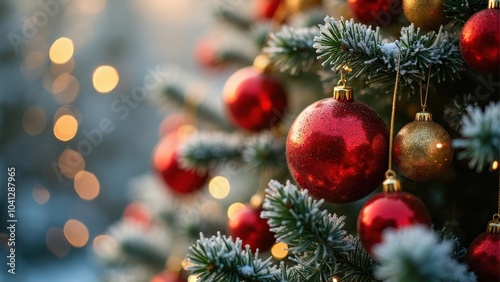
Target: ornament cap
x=494, y=4
x=343, y=93
x=494, y=225
x=423, y=116
x=391, y=183
x=263, y=63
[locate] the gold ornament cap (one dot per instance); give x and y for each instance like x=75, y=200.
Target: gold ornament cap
x=494, y=4
x=263, y=63
x=494, y=225
x=423, y=116
x=391, y=183
x=343, y=93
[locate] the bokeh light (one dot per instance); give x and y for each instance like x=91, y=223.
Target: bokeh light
x=65, y=88
x=105, y=79
x=40, y=194
x=494, y=165
x=70, y=163
x=34, y=120
x=65, y=127
x=185, y=131
x=71, y=110
x=234, y=208
x=61, y=50
x=104, y=244
x=91, y=7
x=86, y=185
x=219, y=187
x=279, y=250
x=56, y=242
x=76, y=233
x=192, y=278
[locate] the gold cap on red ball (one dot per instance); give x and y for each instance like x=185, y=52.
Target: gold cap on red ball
x=494, y=4
x=343, y=93
x=494, y=225
x=391, y=184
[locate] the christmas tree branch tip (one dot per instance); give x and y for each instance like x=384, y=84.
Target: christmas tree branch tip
x=346, y=43
x=220, y=258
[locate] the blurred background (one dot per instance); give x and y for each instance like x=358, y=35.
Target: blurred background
x=67, y=71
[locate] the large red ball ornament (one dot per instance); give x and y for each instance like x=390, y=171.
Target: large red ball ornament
x=480, y=41
x=389, y=210
x=254, y=99
x=483, y=254
x=253, y=230
x=375, y=12
x=165, y=162
x=265, y=9
x=337, y=149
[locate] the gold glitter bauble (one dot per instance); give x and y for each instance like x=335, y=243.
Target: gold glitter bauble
x=294, y=6
x=426, y=14
x=422, y=149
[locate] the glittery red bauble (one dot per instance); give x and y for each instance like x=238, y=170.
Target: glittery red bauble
x=254, y=100
x=267, y=8
x=480, y=41
x=483, y=256
x=389, y=210
x=375, y=12
x=337, y=149
x=178, y=179
x=253, y=230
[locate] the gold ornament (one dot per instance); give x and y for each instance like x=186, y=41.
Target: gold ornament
x=294, y=6
x=426, y=14
x=422, y=149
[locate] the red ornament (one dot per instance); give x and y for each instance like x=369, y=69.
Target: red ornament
x=206, y=53
x=375, y=12
x=389, y=210
x=253, y=230
x=138, y=213
x=480, y=41
x=165, y=162
x=337, y=149
x=168, y=276
x=171, y=123
x=267, y=8
x=483, y=254
x=255, y=100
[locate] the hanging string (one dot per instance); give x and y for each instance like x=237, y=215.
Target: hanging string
x=391, y=172
x=423, y=101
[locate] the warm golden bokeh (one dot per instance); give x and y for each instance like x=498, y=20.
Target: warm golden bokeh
x=40, y=194
x=105, y=79
x=56, y=242
x=61, y=50
x=219, y=187
x=234, y=208
x=104, y=243
x=76, y=233
x=70, y=163
x=65, y=88
x=86, y=185
x=65, y=128
x=279, y=250
x=34, y=120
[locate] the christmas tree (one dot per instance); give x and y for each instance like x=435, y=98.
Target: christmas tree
x=352, y=141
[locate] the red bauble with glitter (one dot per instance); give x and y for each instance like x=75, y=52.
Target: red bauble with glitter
x=483, y=256
x=389, y=210
x=265, y=9
x=253, y=230
x=165, y=162
x=254, y=99
x=375, y=12
x=337, y=149
x=480, y=41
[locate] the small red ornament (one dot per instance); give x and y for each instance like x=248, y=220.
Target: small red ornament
x=254, y=99
x=391, y=209
x=480, y=41
x=375, y=12
x=206, y=53
x=483, y=254
x=337, y=148
x=265, y=9
x=138, y=213
x=253, y=230
x=165, y=162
